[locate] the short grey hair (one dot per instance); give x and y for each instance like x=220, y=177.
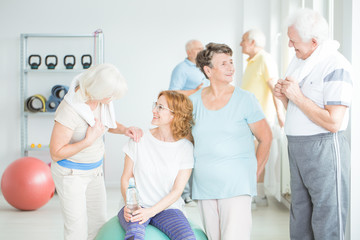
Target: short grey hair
x=190, y=43
x=102, y=81
x=257, y=36
x=309, y=24
x=205, y=56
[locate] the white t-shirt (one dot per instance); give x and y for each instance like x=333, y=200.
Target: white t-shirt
x=329, y=83
x=156, y=166
x=67, y=116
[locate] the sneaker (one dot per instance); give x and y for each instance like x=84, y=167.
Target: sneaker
x=261, y=201
x=189, y=202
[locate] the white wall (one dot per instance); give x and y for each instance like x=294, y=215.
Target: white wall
x=352, y=49
x=145, y=39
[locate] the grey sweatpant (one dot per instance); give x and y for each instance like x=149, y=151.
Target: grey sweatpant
x=320, y=174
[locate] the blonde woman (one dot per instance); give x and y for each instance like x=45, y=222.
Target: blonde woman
x=161, y=163
x=77, y=148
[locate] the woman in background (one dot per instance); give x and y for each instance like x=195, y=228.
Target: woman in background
x=77, y=148
x=161, y=163
x=226, y=165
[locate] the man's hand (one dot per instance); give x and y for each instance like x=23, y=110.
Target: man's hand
x=277, y=90
x=279, y=94
x=290, y=88
x=199, y=87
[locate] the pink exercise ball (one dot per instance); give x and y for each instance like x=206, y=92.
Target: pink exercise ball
x=27, y=183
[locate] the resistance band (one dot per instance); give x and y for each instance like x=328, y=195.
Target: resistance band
x=57, y=94
x=36, y=103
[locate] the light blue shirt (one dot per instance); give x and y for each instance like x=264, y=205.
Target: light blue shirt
x=225, y=161
x=187, y=76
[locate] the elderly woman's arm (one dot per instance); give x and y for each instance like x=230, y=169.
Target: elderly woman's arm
x=60, y=147
x=143, y=214
x=262, y=132
x=132, y=132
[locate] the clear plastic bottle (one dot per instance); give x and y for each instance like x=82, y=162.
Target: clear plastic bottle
x=132, y=196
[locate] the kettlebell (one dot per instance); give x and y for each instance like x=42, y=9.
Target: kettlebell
x=34, y=65
x=69, y=65
x=86, y=65
x=51, y=65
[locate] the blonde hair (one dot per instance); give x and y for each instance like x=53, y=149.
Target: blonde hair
x=183, y=118
x=102, y=81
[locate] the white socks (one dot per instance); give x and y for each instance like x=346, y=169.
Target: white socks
x=260, y=190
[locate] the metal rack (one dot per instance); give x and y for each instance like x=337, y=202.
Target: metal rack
x=98, y=57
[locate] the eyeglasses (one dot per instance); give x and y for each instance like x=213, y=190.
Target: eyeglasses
x=160, y=107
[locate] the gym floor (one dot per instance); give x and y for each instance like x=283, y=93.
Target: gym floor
x=269, y=223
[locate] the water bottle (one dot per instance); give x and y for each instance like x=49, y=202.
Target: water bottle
x=132, y=196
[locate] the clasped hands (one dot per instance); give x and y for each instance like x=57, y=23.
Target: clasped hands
x=288, y=89
x=141, y=215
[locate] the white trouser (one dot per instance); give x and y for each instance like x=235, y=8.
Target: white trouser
x=227, y=219
x=82, y=197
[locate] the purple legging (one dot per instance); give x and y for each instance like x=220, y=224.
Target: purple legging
x=172, y=222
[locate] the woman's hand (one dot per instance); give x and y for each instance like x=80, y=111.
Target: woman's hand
x=127, y=214
x=134, y=133
x=60, y=146
x=96, y=131
x=142, y=215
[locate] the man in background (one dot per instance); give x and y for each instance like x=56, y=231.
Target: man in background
x=260, y=77
x=186, y=77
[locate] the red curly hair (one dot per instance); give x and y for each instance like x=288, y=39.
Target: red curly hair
x=183, y=118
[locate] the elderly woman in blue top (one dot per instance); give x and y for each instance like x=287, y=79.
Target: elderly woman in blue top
x=226, y=165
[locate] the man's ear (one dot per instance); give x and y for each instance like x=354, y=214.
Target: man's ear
x=314, y=43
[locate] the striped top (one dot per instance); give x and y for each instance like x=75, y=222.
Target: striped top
x=329, y=83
